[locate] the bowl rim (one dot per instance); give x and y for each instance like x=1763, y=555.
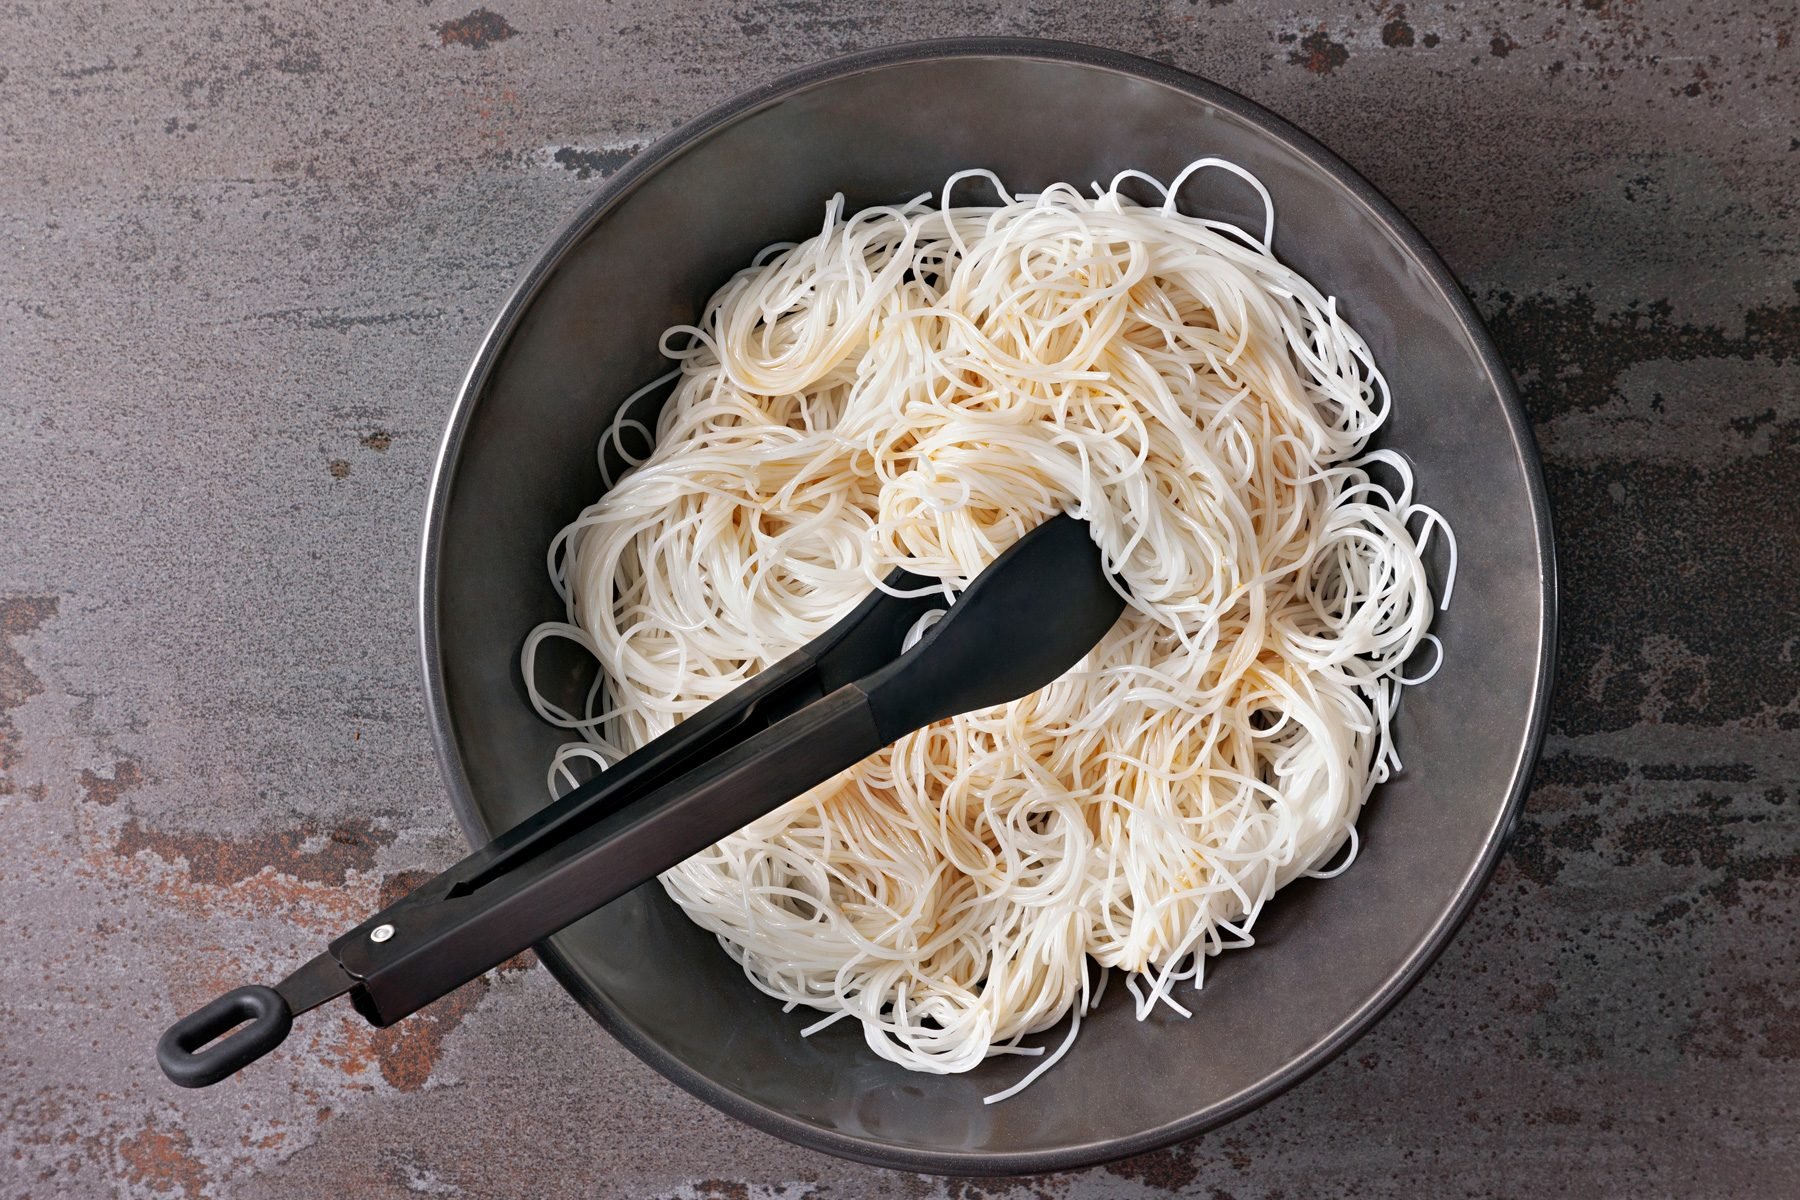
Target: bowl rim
x=608, y=197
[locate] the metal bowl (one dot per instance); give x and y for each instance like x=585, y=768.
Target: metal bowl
x=581, y=332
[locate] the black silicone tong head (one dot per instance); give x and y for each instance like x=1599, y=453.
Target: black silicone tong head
x=1022, y=622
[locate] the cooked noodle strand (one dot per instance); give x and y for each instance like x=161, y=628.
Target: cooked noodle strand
x=916, y=386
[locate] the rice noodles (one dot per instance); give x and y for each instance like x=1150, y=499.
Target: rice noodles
x=916, y=387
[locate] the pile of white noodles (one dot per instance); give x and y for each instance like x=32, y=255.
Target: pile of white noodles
x=917, y=386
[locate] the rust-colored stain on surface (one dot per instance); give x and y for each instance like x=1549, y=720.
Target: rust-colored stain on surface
x=1168, y=1171
x=1395, y=32
x=310, y=852
x=479, y=30
x=588, y=164
x=407, y=1052
x=19, y=616
x=162, y=1161
x=317, y=880
x=1761, y=1018
x=98, y=789
x=721, y=1189
x=1319, y=54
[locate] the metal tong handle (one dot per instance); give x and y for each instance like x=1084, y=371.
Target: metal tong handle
x=1021, y=623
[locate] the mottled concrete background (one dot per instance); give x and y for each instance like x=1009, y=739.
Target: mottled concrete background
x=248, y=249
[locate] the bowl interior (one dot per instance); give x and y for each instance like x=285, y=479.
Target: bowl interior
x=582, y=334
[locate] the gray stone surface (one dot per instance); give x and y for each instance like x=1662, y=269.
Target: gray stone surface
x=246, y=251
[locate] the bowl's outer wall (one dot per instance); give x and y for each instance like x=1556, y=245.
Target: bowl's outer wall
x=654, y=246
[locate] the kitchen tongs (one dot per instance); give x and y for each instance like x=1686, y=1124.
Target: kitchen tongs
x=1022, y=622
